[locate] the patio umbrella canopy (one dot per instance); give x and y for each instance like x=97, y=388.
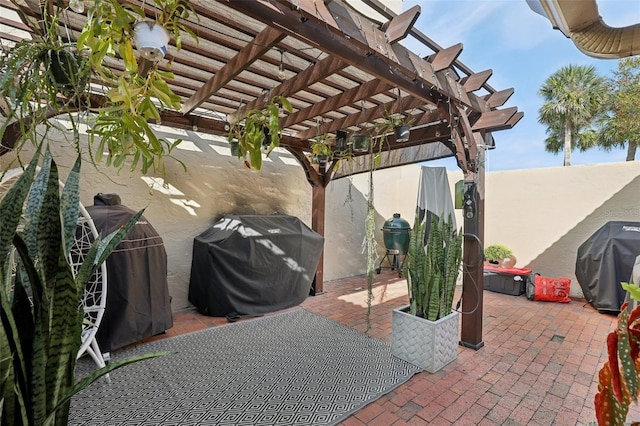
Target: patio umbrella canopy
x=605, y=260
x=253, y=265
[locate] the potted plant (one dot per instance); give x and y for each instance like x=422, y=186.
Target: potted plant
x=400, y=123
x=360, y=142
x=401, y=127
x=151, y=40
x=425, y=333
x=321, y=151
x=619, y=376
x=54, y=74
x=259, y=131
x=40, y=74
x=234, y=146
x=499, y=255
x=40, y=300
x=134, y=97
x=341, y=142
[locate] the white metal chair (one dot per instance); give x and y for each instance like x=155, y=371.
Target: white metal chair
x=95, y=295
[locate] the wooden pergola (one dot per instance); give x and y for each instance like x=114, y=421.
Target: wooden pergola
x=342, y=71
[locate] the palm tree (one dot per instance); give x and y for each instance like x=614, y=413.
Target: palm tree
x=574, y=97
x=621, y=125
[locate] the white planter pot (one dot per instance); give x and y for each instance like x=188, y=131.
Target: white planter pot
x=427, y=344
x=151, y=40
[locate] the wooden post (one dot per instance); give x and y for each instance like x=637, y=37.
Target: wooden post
x=473, y=258
x=317, y=224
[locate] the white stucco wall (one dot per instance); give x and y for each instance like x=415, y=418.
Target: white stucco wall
x=214, y=184
x=542, y=214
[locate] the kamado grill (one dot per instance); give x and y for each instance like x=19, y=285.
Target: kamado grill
x=395, y=232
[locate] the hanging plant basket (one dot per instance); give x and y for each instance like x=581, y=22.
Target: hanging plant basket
x=402, y=132
x=151, y=40
x=235, y=148
x=341, y=140
x=360, y=142
x=65, y=69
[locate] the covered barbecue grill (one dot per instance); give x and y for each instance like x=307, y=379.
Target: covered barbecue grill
x=605, y=260
x=253, y=264
x=138, y=300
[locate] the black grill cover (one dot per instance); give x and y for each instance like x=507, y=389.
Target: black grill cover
x=605, y=260
x=138, y=301
x=253, y=264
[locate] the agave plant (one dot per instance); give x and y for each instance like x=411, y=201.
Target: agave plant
x=40, y=300
x=432, y=271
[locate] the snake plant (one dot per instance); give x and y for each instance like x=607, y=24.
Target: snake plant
x=40, y=299
x=432, y=270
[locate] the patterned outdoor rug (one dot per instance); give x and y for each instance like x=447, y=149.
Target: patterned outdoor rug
x=295, y=368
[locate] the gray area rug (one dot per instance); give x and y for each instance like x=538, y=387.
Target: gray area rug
x=294, y=368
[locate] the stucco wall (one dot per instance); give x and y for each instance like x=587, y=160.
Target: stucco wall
x=214, y=184
x=542, y=214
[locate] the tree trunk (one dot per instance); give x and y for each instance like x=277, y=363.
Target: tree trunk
x=567, y=143
x=631, y=150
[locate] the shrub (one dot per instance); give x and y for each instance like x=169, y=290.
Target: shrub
x=496, y=252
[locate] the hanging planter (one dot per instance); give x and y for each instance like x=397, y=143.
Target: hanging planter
x=341, y=140
x=402, y=132
x=151, y=40
x=235, y=148
x=361, y=142
x=67, y=69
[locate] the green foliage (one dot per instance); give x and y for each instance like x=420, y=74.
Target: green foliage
x=40, y=299
x=46, y=76
x=574, y=98
x=621, y=126
x=259, y=128
x=432, y=271
x=121, y=126
x=40, y=75
x=320, y=146
x=619, y=377
x=497, y=252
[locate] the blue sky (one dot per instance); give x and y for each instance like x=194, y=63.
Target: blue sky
x=522, y=49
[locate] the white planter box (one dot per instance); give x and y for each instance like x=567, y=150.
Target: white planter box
x=427, y=344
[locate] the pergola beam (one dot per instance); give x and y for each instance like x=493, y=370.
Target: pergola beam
x=365, y=116
x=497, y=99
x=263, y=42
x=312, y=74
x=370, y=88
x=475, y=81
x=356, y=44
x=494, y=119
x=399, y=26
x=444, y=58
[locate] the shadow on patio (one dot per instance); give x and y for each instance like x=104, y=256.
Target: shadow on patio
x=539, y=364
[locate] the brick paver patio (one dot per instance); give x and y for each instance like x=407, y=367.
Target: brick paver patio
x=538, y=366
